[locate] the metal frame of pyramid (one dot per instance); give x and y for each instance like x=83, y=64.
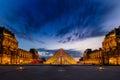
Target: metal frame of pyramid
x=61, y=57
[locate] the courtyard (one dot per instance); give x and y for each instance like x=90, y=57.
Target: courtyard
x=59, y=72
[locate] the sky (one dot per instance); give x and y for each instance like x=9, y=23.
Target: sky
x=48, y=25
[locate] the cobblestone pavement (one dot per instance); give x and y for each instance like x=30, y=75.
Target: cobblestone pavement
x=59, y=73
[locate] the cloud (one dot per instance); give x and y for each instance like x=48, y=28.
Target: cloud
x=21, y=34
x=64, y=31
x=85, y=21
x=113, y=18
x=46, y=52
x=80, y=45
x=74, y=53
x=31, y=17
x=60, y=21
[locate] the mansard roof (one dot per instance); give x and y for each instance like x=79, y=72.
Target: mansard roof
x=4, y=30
x=115, y=31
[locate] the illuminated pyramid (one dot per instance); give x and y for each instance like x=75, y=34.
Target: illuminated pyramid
x=61, y=57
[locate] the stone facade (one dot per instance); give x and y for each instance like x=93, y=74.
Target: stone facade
x=9, y=51
x=92, y=57
x=109, y=53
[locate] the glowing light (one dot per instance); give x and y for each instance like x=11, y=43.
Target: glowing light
x=100, y=68
x=21, y=61
x=112, y=61
x=20, y=68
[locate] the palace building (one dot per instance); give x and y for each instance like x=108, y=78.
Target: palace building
x=108, y=54
x=9, y=51
x=92, y=57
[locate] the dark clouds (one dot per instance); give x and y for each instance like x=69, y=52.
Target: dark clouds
x=77, y=18
x=22, y=35
x=86, y=21
x=35, y=14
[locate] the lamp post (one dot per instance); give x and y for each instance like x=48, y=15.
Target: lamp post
x=1, y=56
x=117, y=57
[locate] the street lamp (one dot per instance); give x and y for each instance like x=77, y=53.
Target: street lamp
x=100, y=68
x=20, y=67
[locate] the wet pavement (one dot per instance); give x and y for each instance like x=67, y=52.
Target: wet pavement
x=59, y=73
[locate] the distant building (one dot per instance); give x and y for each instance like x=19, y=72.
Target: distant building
x=93, y=56
x=9, y=51
x=109, y=53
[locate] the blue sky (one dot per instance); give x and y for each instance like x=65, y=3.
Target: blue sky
x=53, y=24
